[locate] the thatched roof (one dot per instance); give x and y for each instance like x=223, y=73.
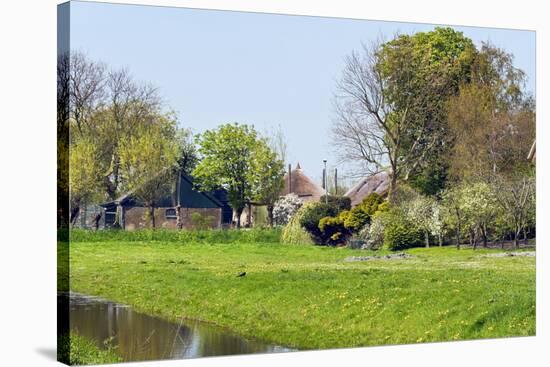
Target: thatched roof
x=378, y=183
x=302, y=185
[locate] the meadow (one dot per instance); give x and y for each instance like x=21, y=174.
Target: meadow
x=306, y=296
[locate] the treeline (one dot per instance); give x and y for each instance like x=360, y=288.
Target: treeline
x=117, y=136
x=452, y=125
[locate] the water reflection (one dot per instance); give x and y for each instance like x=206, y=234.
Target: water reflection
x=140, y=337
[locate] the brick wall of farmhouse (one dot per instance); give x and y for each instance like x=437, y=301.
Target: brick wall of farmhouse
x=136, y=218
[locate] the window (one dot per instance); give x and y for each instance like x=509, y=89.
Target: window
x=170, y=213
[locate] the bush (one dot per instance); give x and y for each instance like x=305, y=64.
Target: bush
x=333, y=231
x=399, y=233
x=341, y=203
x=285, y=208
x=313, y=214
x=293, y=232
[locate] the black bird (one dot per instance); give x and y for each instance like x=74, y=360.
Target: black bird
x=242, y=274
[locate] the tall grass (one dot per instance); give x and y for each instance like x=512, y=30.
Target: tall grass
x=255, y=235
x=74, y=349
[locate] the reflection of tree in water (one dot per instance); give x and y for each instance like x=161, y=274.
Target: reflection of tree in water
x=139, y=337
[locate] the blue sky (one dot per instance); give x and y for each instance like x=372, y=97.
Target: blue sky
x=267, y=70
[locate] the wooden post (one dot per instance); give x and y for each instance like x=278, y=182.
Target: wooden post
x=336, y=181
x=289, y=178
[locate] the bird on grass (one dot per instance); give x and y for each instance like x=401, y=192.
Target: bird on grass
x=241, y=274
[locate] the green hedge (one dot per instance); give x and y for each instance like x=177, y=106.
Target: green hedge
x=255, y=235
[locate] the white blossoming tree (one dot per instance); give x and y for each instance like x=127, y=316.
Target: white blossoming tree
x=285, y=208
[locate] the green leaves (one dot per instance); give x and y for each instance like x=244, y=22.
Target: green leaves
x=235, y=157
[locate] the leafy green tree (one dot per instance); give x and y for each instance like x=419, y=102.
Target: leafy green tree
x=85, y=175
x=268, y=177
x=235, y=157
x=148, y=161
x=437, y=63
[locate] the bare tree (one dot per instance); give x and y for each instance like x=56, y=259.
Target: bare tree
x=371, y=129
x=87, y=92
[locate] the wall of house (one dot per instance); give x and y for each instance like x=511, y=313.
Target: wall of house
x=136, y=218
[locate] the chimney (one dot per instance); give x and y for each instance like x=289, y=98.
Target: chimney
x=289, y=178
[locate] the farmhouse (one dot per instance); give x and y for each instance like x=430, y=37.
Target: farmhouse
x=298, y=183
x=180, y=209
x=378, y=183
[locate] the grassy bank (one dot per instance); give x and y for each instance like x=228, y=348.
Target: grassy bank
x=309, y=297
x=256, y=235
x=77, y=350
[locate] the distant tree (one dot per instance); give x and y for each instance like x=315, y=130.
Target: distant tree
x=85, y=175
x=453, y=211
x=437, y=63
x=235, y=157
x=268, y=172
x=489, y=137
x=148, y=161
x=423, y=212
x=386, y=101
x=516, y=197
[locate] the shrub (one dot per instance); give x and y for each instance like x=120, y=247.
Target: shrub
x=293, y=232
x=311, y=217
x=341, y=203
x=333, y=231
x=371, y=203
x=285, y=208
x=356, y=219
x=400, y=233
x=362, y=213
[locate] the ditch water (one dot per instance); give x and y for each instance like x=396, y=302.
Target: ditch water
x=139, y=337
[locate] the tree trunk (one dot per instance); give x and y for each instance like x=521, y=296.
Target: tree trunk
x=484, y=236
x=458, y=237
x=516, y=240
x=74, y=214
x=440, y=240
x=179, y=223
x=238, y=213
x=270, y=215
x=97, y=218
x=249, y=216
x=427, y=239
x=152, y=215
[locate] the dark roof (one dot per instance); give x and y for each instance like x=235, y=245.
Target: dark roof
x=184, y=194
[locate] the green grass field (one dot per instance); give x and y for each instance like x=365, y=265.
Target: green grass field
x=309, y=296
